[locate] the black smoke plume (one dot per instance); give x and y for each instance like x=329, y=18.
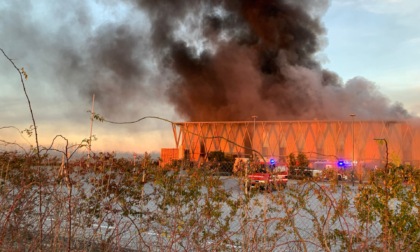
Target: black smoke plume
x=209, y=59
x=259, y=58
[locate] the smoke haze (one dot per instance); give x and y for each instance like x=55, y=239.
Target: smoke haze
x=212, y=60
x=261, y=61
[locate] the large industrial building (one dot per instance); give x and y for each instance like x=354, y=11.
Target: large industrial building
x=362, y=143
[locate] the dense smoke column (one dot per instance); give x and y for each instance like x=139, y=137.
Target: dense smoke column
x=211, y=59
x=246, y=74
x=261, y=61
x=285, y=36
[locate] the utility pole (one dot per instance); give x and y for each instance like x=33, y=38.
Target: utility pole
x=352, y=162
x=386, y=152
x=253, y=136
x=387, y=183
x=134, y=158
x=91, y=126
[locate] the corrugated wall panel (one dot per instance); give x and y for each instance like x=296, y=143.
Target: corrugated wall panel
x=319, y=139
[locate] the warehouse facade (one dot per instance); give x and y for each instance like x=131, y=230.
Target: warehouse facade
x=363, y=143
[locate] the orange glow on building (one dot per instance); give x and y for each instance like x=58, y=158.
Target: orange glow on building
x=319, y=140
x=168, y=155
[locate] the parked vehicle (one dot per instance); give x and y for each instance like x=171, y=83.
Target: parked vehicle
x=240, y=165
x=333, y=174
x=341, y=176
x=267, y=180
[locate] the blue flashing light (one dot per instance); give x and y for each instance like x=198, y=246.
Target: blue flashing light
x=341, y=163
x=272, y=163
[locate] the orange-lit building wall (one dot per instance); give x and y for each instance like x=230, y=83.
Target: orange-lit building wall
x=319, y=140
x=167, y=155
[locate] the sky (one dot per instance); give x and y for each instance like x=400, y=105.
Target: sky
x=379, y=40
x=118, y=50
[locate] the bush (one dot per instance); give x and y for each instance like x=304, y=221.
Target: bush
x=114, y=205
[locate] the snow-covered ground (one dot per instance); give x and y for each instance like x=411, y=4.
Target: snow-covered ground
x=301, y=216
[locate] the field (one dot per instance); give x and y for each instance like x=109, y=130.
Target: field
x=110, y=204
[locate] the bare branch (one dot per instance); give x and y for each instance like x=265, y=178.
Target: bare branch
x=21, y=73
